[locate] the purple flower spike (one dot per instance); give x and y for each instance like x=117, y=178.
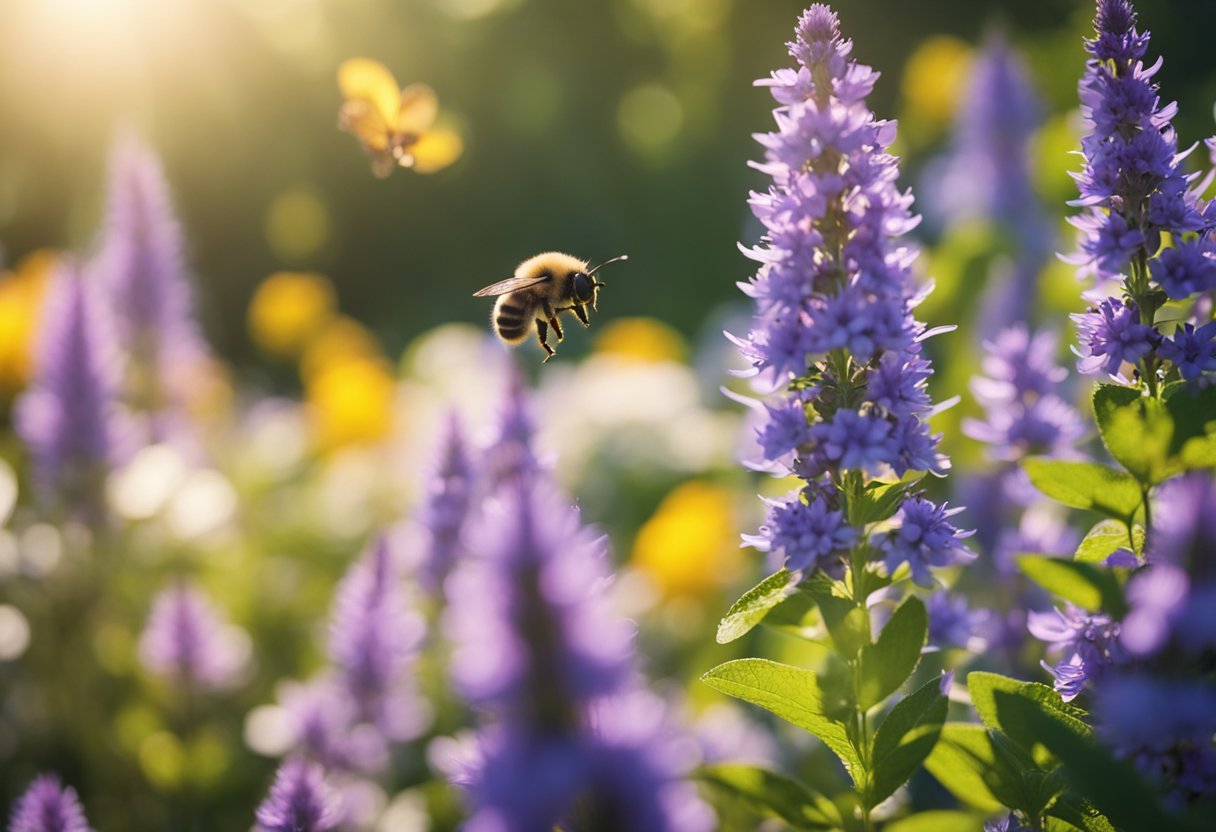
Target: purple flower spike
x=187, y=640
x=68, y=417
x=47, y=806
x=300, y=800
x=1110, y=336
x=373, y=640
x=445, y=506
x=808, y=535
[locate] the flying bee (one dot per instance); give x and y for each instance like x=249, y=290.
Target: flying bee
x=543, y=287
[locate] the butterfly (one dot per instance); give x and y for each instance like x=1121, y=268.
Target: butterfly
x=394, y=125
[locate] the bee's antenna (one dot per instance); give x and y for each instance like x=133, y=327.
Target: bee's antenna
x=606, y=262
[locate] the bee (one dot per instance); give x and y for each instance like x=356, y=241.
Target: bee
x=543, y=287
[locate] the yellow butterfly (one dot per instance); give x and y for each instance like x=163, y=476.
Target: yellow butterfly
x=394, y=125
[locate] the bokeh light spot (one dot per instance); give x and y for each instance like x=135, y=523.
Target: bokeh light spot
x=14, y=633
x=642, y=339
x=649, y=119
x=297, y=224
x=288, y=310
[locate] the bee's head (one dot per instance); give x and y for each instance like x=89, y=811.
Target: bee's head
x=584, y=287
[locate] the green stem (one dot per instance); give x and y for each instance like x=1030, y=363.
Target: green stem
x=861, y=723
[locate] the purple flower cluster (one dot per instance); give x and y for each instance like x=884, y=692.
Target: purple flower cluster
x=833, y=308
x=1087, y=644
x=68, y=419
x=537, y=646
x=374, y=637
x=445, y=506
x=1024, y=413
x=48, y=806
x=300, y=800
x=1133, y=190
x=188, y=641
x=1159, y=711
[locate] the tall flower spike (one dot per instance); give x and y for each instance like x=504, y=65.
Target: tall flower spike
x=300, y=801
x=1133, y=192
x=537, y=645
x=833, y=327
x=445, y=505
x=68, y=417
x=141, y=261
x=373, y=640
x=188, y=640
x=47, y=806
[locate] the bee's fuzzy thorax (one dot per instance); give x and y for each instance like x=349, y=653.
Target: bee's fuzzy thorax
x=554, y=262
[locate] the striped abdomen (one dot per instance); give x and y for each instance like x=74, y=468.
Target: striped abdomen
x=513, y=315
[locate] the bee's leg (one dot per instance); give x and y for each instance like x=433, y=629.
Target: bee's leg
x=581, y=313
x=551, y=314
x=542, y=333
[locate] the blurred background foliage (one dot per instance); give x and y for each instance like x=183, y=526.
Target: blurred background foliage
x=599, y=128
x=595, y=127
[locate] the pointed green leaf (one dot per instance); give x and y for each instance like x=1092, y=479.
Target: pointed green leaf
x=966, y=764
x=792, y=694
x=755, y=604
x=1112, y=786
x=1107, y=537
x=985, y=688
x=1136, y=429
x=879, y=501
x=773, y=794
x=887, y=664
x=1194, y=413
x=1079, y=813
x=847, y=623
x=1087, y=585
x=905, y=739
x=1086, y=485
x=937, y=820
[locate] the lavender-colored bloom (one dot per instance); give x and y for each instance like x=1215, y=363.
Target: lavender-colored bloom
x=953, y=624
x=300, y=800
x=48, y=806
x=1111, y=335
x=834, y=294
x=1087, y=643
x=1187, y=267
x=142, y=263
x=807, y=534
x=325, y=727
x=373, y=639
x=1010, y=823
x=510, y=455
x=67, y=418
x=1165, y=728
x=1156, y=597
x=925, y=538
x=445, y=506
x=1193, y=351
x=1184, y=525
x=188, y=640
x=532, y=634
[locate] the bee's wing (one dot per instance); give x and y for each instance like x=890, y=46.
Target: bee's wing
x=511, y=284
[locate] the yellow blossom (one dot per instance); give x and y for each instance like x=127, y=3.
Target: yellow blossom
x=21, y=294
x=351, y=402
x=644, y=340
x=288, y=310
x=690, y=547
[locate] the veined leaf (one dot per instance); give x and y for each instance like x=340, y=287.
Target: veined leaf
x=988, y=692
x=905, y=739
x=755, y=604
x=1107, y=537
x=1086, y=485
x=1087, y=585
x=887, y=664
x=965, y=763
x=792, y=694
x=774, y=794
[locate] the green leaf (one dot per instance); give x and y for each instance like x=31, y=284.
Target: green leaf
x=773, y=794
x=1108, y=536
x=847, y=623
x=792, y=694
x=879, y=501
x=755, y=604
x=1136, y=429
x=1087, y=585
x=1086, y=485
x=905, y=739
x=887, y=664
x=1194, y=414
x=1112, y=786
x=938, y=820
x=985, y=689
x=965, y=762
x=1079, y=813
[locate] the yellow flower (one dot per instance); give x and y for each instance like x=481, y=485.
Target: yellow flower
x=394, y=125
x=21, y=294
x=690, y=546
x=342, y=339
x=645, y=340
x=351, y=402
x=288, y=310
x=932, y=84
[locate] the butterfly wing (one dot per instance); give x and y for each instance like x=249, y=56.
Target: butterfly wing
x=362, y=79
x=511, y=284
